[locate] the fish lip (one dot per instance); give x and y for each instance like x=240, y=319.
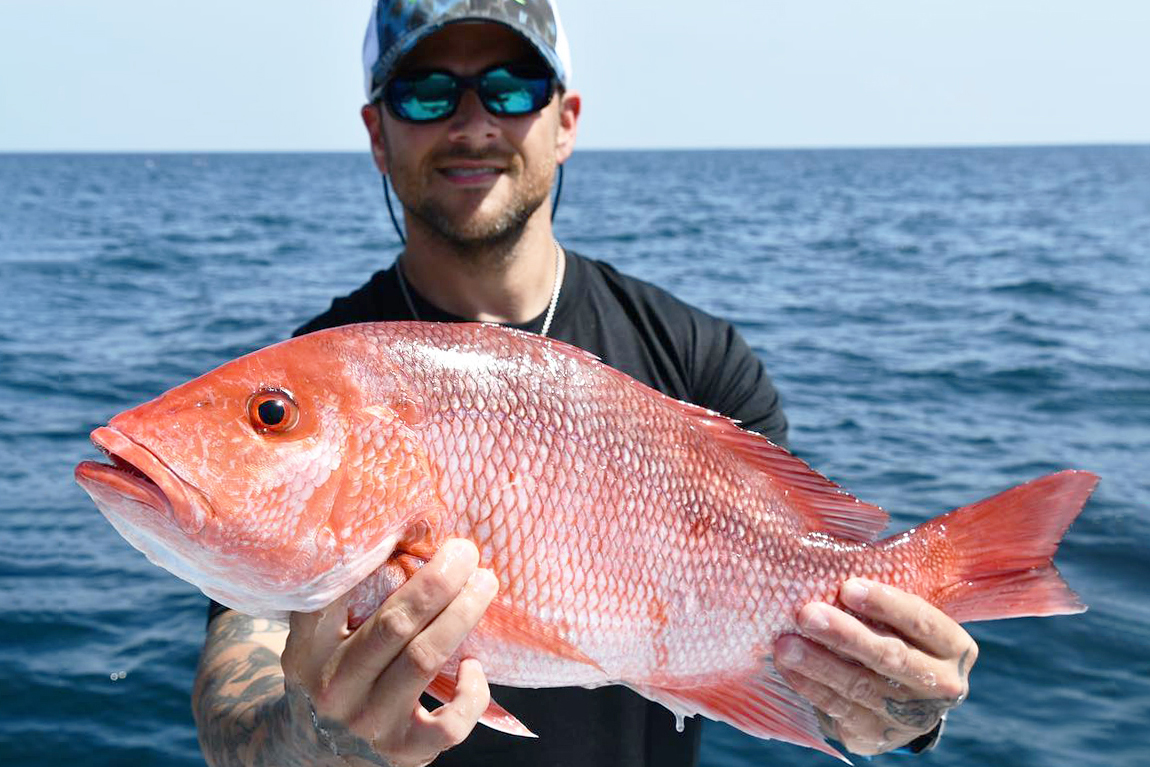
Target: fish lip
x=137, y=472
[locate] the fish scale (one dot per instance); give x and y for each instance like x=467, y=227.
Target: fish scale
x=597, y=478
x=638, y=540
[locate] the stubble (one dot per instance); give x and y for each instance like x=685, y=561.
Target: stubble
x=479, y=236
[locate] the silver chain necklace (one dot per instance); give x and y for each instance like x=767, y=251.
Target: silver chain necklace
x=558, y=284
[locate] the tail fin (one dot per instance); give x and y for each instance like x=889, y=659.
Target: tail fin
x=1003, y=549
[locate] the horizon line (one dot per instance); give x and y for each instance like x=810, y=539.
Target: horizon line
x=586, y=150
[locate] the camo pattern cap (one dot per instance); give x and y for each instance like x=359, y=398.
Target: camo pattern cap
x=396, y=26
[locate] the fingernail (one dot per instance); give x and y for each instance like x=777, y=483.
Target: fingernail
x=477, y=666
x=813, y=619
x=453, y=547
x=456, y=550
x=483, y=582
x=854, y=593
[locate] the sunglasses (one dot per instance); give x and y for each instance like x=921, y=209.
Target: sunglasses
x=505, y=90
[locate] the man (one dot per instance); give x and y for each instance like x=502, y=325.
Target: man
x=469, y=115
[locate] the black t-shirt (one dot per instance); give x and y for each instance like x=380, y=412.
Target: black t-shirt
x=683, y=352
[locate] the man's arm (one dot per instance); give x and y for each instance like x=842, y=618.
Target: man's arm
x=314, y=693
x=238, y=700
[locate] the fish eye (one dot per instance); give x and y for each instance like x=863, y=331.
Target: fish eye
x=272, y=411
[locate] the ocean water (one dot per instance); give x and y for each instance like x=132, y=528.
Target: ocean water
x=942, y=324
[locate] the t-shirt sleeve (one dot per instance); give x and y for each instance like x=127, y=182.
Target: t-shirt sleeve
x=730, y=379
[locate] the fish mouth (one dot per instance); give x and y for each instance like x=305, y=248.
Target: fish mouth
x=137, y=474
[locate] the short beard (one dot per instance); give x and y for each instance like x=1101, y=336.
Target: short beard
x=497, y=235
x=476, y=243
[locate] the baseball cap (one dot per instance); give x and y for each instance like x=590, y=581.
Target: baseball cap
x=397, y=26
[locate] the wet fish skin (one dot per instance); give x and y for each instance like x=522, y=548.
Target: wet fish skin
x=637, y=539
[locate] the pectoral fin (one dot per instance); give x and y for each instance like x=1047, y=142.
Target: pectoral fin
x=507, y=624
x=442, y=688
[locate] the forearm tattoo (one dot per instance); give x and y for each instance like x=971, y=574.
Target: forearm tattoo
x=342, y=742
x=239, y=703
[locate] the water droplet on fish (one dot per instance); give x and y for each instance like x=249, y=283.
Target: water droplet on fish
x=678, y=722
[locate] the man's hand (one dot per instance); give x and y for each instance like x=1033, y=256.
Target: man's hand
x=361, y=690
x=881, y=684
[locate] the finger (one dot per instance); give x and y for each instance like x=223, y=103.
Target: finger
x=312, y=639
x=430, y=733
x=923, y=624
x=424, y=656
x=356, y=665
x=856, y=727
x=803, y=660
x=913, y=710
x=889, y=656
x=452, y=722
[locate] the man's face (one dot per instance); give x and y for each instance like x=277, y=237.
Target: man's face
x=473, y=178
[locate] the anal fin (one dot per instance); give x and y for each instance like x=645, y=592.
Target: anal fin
x=762, y=704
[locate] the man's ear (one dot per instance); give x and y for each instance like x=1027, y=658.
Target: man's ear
x=373, y=121
x=569, y=106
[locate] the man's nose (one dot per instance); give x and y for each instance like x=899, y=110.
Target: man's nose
x=472, y=121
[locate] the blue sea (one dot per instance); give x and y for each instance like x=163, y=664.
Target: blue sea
x=942, y=324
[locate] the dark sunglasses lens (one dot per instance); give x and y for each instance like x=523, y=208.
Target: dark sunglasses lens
x=505, y=92
x=422, y=98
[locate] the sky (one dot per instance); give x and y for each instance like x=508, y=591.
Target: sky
x=285, y=75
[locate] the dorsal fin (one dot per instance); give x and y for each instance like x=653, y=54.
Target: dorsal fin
x=825, y=506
